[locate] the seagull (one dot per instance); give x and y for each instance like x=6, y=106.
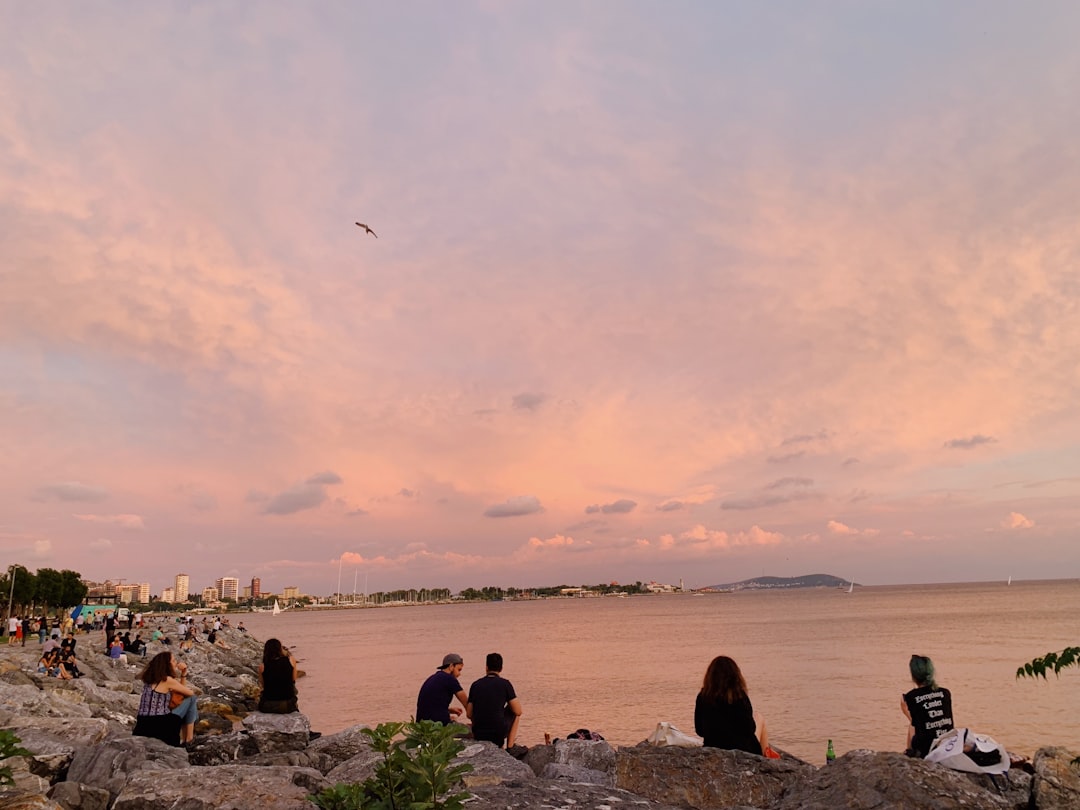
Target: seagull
x=366, y=228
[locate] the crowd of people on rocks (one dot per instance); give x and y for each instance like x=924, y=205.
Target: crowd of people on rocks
x=724, y=716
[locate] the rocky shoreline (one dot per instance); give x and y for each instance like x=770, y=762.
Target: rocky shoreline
x=83, y=757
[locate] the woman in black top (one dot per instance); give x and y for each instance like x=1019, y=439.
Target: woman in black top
x=928, y=708
x=277, y=677
x=723, y=714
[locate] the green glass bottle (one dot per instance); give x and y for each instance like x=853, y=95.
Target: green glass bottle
x=830, y=754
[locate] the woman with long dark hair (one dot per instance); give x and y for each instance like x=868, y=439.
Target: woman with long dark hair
x=277, y=677
x=163, y=678
x=723, y=714
x=928, y=708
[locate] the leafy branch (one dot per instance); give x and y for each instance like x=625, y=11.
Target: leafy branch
x=1051, y=662
x=417, y=771
x=9, y=747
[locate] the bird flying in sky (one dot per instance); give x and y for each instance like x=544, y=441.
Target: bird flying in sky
x=366, y=228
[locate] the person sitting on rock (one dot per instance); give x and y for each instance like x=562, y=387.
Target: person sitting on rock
x=493, y=705
x=69, y=663
x=928, y=708
x=49, y=664
x=217, y=640
x=723, y=714
x=116, y=652
x=162, y=678
x=277, y=677
x=441, y=687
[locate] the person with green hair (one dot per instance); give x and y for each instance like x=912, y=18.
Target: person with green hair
x=928, y=708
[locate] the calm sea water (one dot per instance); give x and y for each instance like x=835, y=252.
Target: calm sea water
x=819, y=663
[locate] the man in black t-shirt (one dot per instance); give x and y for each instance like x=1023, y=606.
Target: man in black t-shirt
x=493, y=705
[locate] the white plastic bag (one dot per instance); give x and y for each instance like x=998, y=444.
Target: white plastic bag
x=949, y=751
x=667, y=734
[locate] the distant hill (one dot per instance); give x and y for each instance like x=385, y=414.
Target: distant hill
x=805, y=581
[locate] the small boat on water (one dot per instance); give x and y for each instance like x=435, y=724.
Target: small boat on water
x=277, y=608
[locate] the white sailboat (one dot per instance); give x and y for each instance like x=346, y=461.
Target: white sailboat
x=277, y=608
x=1010, y=580
x=851, y=587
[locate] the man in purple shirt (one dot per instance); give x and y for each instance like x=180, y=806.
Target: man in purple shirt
x=433, y=702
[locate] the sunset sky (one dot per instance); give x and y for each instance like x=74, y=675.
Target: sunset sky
x=697, y=290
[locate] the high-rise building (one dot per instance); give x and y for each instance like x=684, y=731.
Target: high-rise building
x=246, y=593
x=228, y=587
x=144, y=593
x=290, y=592
x=168, y=595
x=256, y=587
x=209, y=594
x=182, y=585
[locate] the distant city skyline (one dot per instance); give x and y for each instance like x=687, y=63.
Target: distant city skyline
x=739, y=290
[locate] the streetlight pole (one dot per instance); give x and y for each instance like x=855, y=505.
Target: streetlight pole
x=11, y=596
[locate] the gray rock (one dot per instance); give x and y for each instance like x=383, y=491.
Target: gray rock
x=77, y=732
x=74, y=796
x=575, y=773
x=492, y=766
x=1057, y=782
x=1014, y=787
x=540, y=793
x=342, y=746
x=22, y=800
x=109, y=764
x=298, y=759
x=221, y=749
x=706, y=777
x=538, y=757
x=355, y=769
x=885, y=781
x=228, y=787
x=592, y=755
x=275, y=733
x=23, y=779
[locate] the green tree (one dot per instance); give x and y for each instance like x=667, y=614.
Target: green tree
x=50, y=587
x=25, y=588
x=73, y=589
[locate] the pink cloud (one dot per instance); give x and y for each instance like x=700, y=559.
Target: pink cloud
x=1017, y=521
x=126, y=521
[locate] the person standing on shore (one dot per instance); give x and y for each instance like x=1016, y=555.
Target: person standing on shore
x=433, y=702
x=493, y=705
x=13, y=629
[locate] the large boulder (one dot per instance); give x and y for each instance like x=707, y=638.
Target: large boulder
x=342, y=746
x=355, y=769
x=22, y=800
x=585, y=761
x=109, y=764
x=275, y=733
x=221, y=749
x=227, y=787
x=706, y=777
x=75, y=796
x=53, y=741
x=861, y=780
x=492, y=766
x=1057, y=781
x=536, y=793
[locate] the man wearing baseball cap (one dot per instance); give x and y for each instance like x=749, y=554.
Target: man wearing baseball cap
x=433, y=702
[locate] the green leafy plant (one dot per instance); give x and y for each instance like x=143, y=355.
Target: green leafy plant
x=1051, y=662
x=9, y=747
x=417, y=771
